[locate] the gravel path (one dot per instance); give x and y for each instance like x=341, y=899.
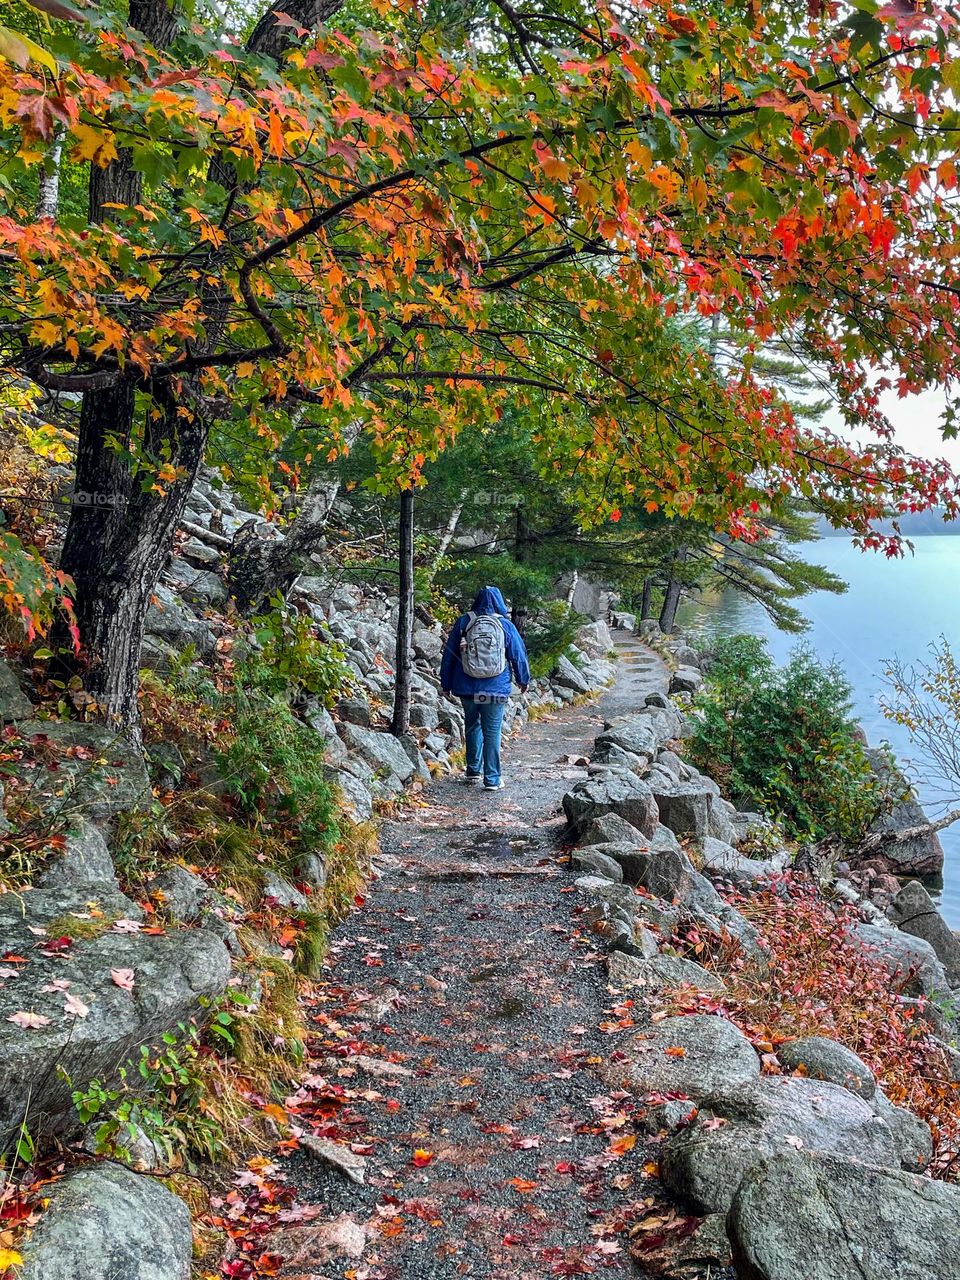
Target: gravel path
x=460, y=1029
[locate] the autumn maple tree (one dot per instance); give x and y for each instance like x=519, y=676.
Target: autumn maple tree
x=381, y=219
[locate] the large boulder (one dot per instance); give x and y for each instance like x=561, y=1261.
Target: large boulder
x=382, y=751
x=913, y=911
x=919, y=856
x=662, y=972
x=666, y=721
x=322, y=722
x=694, y=1056
x=911, y=961
x=686, y=680
x=593, y=861
x=567, y=675
x=78, y=767
x=690, y=808
x=651, y=863
x=610, y=828
x=169, y=620
x=803, y=1216
x=722, y=861
x=621, y=793
x=595, y=640
x=823, y=1059
x=355, y=798
x=64, y=1019
x=104, y=1222
x=634, y=734
x=83, y=859
x=200, y=587
x=14, y=703
x=706, y=1162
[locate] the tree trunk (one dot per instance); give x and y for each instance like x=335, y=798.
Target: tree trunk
x=117, y=541
x=671, y=601
x=450, y=528
x=119, y=534
x=404, y=651
x=260, y=565
x=646, y=600
x=48, y=198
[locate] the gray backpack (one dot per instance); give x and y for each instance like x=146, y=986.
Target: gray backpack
x=483, y=647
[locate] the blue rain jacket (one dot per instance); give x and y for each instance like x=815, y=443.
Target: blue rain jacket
x=452, y=674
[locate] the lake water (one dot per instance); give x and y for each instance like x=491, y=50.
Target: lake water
x=893, y=608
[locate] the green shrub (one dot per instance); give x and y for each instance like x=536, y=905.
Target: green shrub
x=782, y=740
x=273, y=765
x=163, y=1096
x=294, y=660
x=549, y=634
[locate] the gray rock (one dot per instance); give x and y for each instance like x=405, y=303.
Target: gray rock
x=911, y=1134
x=184, y=894
x=322, y=722
x=355, y=798
x=666, y=722
x=671, y=763
x=716, y=1055
x=722, y=860
x=594, y=862
x=567, y=675
x=621, y=793
x=686, y=680
x=595, y=640
x=659, y=699
x=172, y=974
x=84, y=859
x=198, y=553
x=624, y=621
x=382, y=752
x=428, y=645
x=705, y=1163
x=424, y=715
x=802, y=1216
x=689, y=808
x=198, y=586
x=14, y=703
x=660, y=972
x=354, y=711
x=913, y=911
x=750, y=826
x=412, y=747
x=610, y=827
x=311, y=869
x=921, y=856
x=105, y=776
x=280, y=891
x=912, y=961
x=105, y=1222
x=686, y=656
x=634, y=734
x=823, y=1059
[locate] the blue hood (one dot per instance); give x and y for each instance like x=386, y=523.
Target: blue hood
x=489, y=600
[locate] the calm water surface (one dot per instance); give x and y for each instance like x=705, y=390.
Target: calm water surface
x=892, y=609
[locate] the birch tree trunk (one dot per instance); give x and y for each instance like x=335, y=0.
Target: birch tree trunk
x=404, y=650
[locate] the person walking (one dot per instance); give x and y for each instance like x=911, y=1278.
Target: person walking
x=481, y=653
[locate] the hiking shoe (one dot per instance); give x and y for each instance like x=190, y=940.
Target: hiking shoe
x=471, y=779
x=493, y=786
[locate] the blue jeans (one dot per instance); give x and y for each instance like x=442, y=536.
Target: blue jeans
x=483, y=725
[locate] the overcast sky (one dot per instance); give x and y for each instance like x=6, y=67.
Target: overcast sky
x=916, y=419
